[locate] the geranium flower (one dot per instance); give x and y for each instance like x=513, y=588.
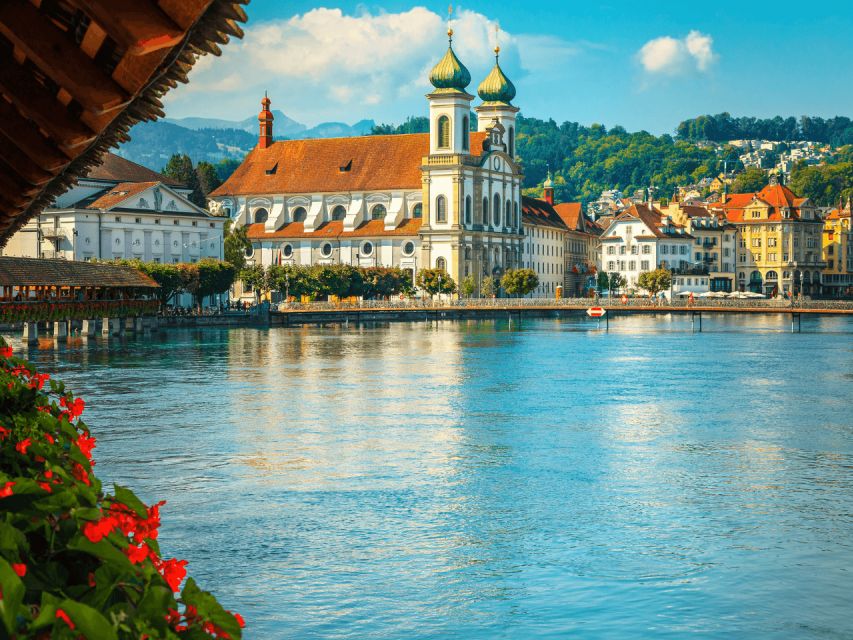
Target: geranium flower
x=6, y=490
x=173, y=572
x=137, y=554
x=61, y=615
x=85, y=443
x=20, y=568
x=23, y=445
x=5, y=352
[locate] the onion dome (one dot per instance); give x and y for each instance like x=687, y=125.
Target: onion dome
x=548, y=184
x=496, y=87
x=450, y=74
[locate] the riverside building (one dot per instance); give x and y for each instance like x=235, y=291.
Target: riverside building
x=448, y=199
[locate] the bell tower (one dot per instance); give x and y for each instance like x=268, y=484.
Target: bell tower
x=265, y=119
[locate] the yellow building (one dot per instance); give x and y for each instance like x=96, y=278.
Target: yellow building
x=779, y=241
x=838, y=272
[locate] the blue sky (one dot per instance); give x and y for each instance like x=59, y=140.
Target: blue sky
x=643, y=65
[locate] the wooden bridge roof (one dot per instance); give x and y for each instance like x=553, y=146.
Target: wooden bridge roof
x=75, y=75
x=34, y=272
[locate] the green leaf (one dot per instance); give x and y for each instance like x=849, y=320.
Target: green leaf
x=10, y=538
x=47, y=612
x=156, y=602
x=210, y=609
x=13, y=596
x=129, y=499
x=105, y=550
x=88, y=621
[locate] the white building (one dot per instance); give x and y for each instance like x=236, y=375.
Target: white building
x=544, y=245
x=447, y=199
x=642, y=239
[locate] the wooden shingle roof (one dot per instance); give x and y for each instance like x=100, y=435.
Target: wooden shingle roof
x=32, y=272
x=75, y=75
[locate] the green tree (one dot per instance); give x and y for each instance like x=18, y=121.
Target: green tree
x=214, y=277
x=603, y=282
x=468, y=286
x=488, y=287
x=751, y=180
x=254, y=276
x=825, y=185
x=236, y=244
x=519, y=282
x=208, y=178
x=180, y=168
x=655, y=281
x=616, y=281
x=435, y=281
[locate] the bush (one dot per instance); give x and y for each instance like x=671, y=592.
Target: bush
x=75, y=562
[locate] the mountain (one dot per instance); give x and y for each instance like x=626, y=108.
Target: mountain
x=153, y=143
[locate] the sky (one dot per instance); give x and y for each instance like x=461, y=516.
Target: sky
x=640, y=64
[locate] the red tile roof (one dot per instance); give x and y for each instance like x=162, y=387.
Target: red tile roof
x=654, y=220
x=540, y=213
x=333, y=165
x=571, y=215
x=117, y=169
x=119, y=193
x=775, y=196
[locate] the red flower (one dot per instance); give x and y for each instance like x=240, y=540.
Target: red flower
x=5, y=352
x=45, y=486
x=49, y=438
x=20, y=569
x=23, y=445
x=6, y=490
x=61, y=615
x=74, y=408
x=85, y=443
x=37, y=380
x=240, y=620
x=92, y=580
x=173, y=572
x=4, y=433
x=97, y=531
x=137, y=554
x=81, y=474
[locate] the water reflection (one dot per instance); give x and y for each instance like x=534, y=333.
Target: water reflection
x=495, y=479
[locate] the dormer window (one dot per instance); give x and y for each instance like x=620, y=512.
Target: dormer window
x=272, y=170
x=345, y=167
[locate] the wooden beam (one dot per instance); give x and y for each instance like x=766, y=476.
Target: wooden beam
x=27, y=138
x=136, y=25
x=184, y=12
x=59, y=58
x=21, y=164
x=41, y=107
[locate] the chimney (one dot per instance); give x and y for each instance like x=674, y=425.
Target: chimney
x=265, y=119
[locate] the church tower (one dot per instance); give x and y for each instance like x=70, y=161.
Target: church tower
x=449, y=104
x=497, y=93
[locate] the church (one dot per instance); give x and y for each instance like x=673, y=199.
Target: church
x=448, y=199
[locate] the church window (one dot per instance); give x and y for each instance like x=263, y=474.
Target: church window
x=444, y=132
x=496, y=211
x=441, y=209
x=378, y=212
x=408, y=248
x=288, y=250
x=367, y=249
x=468, y=207
x=339, y=212
x=299, y=214
x=485, y=210
x=326, y=250
x=261, y=215
x=465, y=131
x=515, y=212
x=441, y=264
x=418, y=211
x=512, y=142
x=508, y=219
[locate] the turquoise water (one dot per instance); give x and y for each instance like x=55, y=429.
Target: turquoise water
x=487, y=480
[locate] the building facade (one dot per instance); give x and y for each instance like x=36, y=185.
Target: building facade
x=544, y=246
x=448, y=199
x=837, y=244
x=779, y=241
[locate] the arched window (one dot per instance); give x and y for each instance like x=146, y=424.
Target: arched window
x=418, y=211
x=772, y=275
x=378, y=212
x=485, y=210
x=755, y=276
x=299, y=214
x=508, y=218
x=496, y=210
x=441, y=209
x=444, y=132
x=467, y=253
x=339, y=212
x=465, y=129
x=261, y=215
x=468, y=208
x=515, y=213
x=441, y=264
x=512, y=142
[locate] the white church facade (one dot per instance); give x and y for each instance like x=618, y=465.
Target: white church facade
x=447, y=199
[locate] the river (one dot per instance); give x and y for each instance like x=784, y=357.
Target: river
x=492, y=480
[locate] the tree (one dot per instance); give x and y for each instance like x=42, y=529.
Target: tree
x=603, y=282
x=655, y=281
x=180, y=168
x=468, y=286
x=214, y=277
x=616, y=282
x=208, y=178
x=488, y=287
x=751, y=180
x=255, y=277
x=519, y=282
x=236, y=244
x=435, y=281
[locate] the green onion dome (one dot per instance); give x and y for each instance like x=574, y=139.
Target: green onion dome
x=450, y=74
x=496, y=87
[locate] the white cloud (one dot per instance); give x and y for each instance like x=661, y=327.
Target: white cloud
x=672, y=56
x=325, y=64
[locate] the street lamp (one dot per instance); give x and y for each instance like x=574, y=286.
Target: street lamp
x=439, y=286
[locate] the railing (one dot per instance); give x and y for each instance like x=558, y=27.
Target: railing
x=565, y=303
x=41, y=310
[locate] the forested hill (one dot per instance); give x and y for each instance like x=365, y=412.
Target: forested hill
x=587, y=160
x=837, y=131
